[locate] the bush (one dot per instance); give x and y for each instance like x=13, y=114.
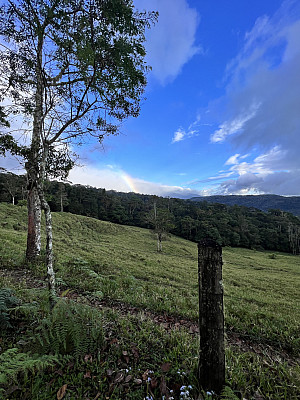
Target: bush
x=22, y=203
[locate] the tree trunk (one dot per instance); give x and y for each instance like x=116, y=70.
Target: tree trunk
x=211, y=369
x=33, y=166
x=61, y=202
x=48, y=218
x=49, y=250
x=159, y=242
x=34, y=225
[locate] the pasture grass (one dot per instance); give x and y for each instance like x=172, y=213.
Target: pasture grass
x=102, y=260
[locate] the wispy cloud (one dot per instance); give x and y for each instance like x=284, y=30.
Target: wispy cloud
x=236, y=125
x=192, y=130
x=232, y=160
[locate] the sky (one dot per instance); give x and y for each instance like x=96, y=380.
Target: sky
x=222, y=108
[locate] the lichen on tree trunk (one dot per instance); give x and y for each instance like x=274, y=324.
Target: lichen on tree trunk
x=48, y=224
x=49, y=250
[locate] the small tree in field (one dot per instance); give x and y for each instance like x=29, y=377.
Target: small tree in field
x=69, y=68
x=162, y=221
x=10, y=184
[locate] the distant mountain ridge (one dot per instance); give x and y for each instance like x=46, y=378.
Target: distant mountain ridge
x=263, y=202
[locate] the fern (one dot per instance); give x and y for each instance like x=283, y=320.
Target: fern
x=228, y=394
x=27, y=310
x=71, y=329
x=7, y=303
x=12, y=363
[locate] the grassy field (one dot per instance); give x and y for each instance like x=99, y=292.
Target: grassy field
x=110, y=268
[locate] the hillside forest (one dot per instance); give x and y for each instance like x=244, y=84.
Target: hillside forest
x=235, y=226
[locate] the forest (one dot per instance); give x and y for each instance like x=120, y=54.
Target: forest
x=236, y=226
x=263, y=202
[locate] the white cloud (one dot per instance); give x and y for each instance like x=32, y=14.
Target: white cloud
x=282, y=183
x=271, y=158
x=171, y=42
x=178, y=135
x=232, y=160
x=263, y=175
x=262, y=104
x=192, y=130
x=236, y=125
x=116, y=179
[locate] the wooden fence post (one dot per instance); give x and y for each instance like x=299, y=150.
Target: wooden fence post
x=211, y=369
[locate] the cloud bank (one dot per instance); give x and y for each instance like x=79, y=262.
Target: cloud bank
x=262, y=103
x=171, y=42
x=113, y=178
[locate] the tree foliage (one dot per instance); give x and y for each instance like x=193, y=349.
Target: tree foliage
x=70, y=67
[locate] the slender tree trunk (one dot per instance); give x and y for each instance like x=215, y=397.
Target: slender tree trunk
x=61, y=202
x=34, y=225
x=32, y=166
x=48, y=220
x=49, y=250
x=159, y=242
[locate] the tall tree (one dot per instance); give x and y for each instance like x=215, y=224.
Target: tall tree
x=69, y=68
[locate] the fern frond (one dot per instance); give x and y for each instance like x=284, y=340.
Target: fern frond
x=8, y=302
x=71, y=329
x=12, y=363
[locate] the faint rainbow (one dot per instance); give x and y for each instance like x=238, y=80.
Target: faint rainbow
x=129, y=181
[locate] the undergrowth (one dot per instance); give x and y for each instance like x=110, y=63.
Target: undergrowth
x=7, y=304
x=70, y=329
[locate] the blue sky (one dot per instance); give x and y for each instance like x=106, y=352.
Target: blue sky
x=222, y=114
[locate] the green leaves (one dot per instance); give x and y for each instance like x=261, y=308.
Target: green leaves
x=8, y=143
x=72, y=68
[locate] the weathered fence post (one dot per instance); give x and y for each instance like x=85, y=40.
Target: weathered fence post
x=211, y=369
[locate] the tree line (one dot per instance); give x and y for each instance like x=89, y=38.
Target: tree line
x=235, y=226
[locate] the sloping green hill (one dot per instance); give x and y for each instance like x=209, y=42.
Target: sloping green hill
x=230, y=225
x=117, y=267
